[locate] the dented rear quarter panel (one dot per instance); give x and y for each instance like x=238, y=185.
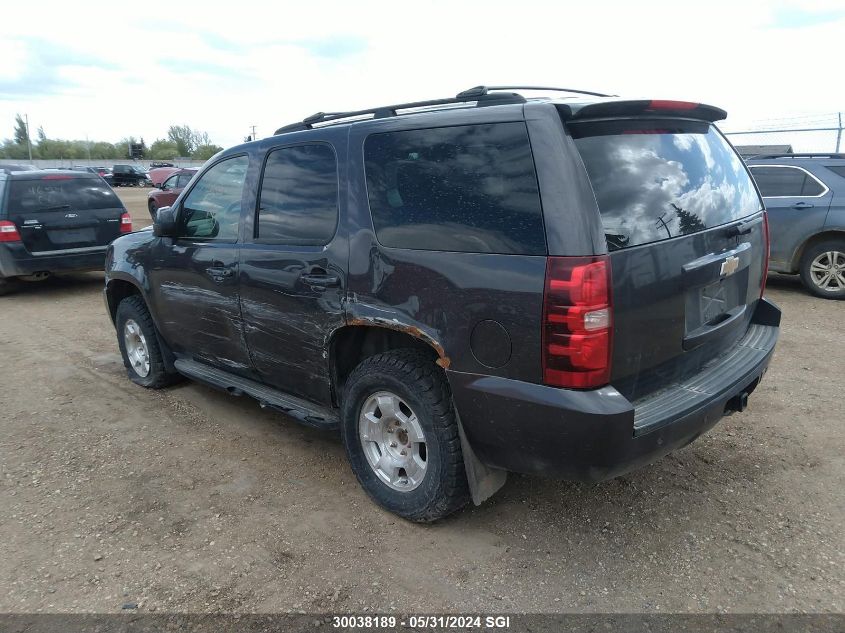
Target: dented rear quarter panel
x=439, y=297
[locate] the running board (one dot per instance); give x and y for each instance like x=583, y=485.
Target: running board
x=303, y=411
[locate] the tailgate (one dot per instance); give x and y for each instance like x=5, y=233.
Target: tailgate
x=60, y=212
x=685, y=229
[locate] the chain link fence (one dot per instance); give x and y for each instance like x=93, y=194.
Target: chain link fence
x=811, y=133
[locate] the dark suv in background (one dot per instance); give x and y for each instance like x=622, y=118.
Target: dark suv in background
x=465, y=287
x=55, y=221
x=805, y=197
x=129, y=176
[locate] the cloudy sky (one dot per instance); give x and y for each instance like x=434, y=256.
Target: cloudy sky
x=95, y=69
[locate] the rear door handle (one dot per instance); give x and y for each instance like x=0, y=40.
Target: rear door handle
x=219, y=273
x=323, y=280
x=803, y=205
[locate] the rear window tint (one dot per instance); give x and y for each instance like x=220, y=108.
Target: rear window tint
x=655, y=180
x=839, y=170
x=468, y=188
x=52, y=192
x=785, y=181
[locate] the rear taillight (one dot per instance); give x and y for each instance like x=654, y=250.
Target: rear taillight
x=125, y=223
x=9, y=232
x=577, y=322
x=766, y=249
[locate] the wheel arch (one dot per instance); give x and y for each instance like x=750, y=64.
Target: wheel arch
x=352, y=343
x=795, y=263
x=117, y=289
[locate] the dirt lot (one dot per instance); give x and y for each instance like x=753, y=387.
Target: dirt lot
x=190, y=500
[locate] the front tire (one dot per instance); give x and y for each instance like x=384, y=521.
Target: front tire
x=401, y=436
x=136, y=336
x=153, y=209
x=823, y=269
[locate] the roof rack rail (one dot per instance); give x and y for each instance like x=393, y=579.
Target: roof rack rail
x=479, y=91
x=481, y=95
x=798, y=155
x=392, y=110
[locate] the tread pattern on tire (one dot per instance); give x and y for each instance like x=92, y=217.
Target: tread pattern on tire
x=418, y=372
x=158, y=376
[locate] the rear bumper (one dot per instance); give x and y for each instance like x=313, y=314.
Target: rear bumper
x=599, y=434
x=16, y=261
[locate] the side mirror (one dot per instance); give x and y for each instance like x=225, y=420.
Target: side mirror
x=165, y=222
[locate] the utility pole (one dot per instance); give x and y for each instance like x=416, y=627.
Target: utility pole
x=28, y=142
x=839, y=132
x=254, y=138
x=88, y=147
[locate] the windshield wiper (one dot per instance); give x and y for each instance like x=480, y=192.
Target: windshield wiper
x=58, y=206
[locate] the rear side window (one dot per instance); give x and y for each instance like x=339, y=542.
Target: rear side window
x=659, y=179
x=61, y=192
x=468, y=188
x=298, y=200
x=779, y=181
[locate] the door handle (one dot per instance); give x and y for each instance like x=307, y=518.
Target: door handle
x=219, y=273
x=323, y=280
x=803, y=205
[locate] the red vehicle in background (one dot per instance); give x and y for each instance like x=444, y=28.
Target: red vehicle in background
x=169, y=190
x=159, y=174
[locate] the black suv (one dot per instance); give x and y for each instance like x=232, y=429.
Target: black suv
x=129, y=176
x=55, y=221
x=465, y=287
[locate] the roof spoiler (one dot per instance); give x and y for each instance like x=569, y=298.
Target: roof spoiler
x=623, y=108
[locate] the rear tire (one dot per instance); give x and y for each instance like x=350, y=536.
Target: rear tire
x=407, y=457
x=823, y=269
x=138, y=341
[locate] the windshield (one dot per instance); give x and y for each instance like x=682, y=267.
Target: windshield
x=658, y=179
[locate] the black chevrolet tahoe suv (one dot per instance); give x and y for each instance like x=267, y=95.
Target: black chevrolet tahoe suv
x=464, y=287
x=55, y=221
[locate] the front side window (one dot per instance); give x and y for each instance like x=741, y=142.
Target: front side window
x=785, y=181
x=469, y=188
x=298, y=199
x=212, y=210
x=658, y=179
x=170, y=183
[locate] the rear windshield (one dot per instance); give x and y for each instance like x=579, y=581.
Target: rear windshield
x=658, y=179
x=58, y=192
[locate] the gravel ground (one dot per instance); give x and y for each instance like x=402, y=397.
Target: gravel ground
x=190, y=500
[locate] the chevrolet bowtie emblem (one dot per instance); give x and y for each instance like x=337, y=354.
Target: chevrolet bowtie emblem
x=729, y=266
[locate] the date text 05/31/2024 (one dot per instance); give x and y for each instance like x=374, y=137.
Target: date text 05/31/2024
x=422, y=621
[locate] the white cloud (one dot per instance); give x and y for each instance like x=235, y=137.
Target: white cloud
x=223, y=67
